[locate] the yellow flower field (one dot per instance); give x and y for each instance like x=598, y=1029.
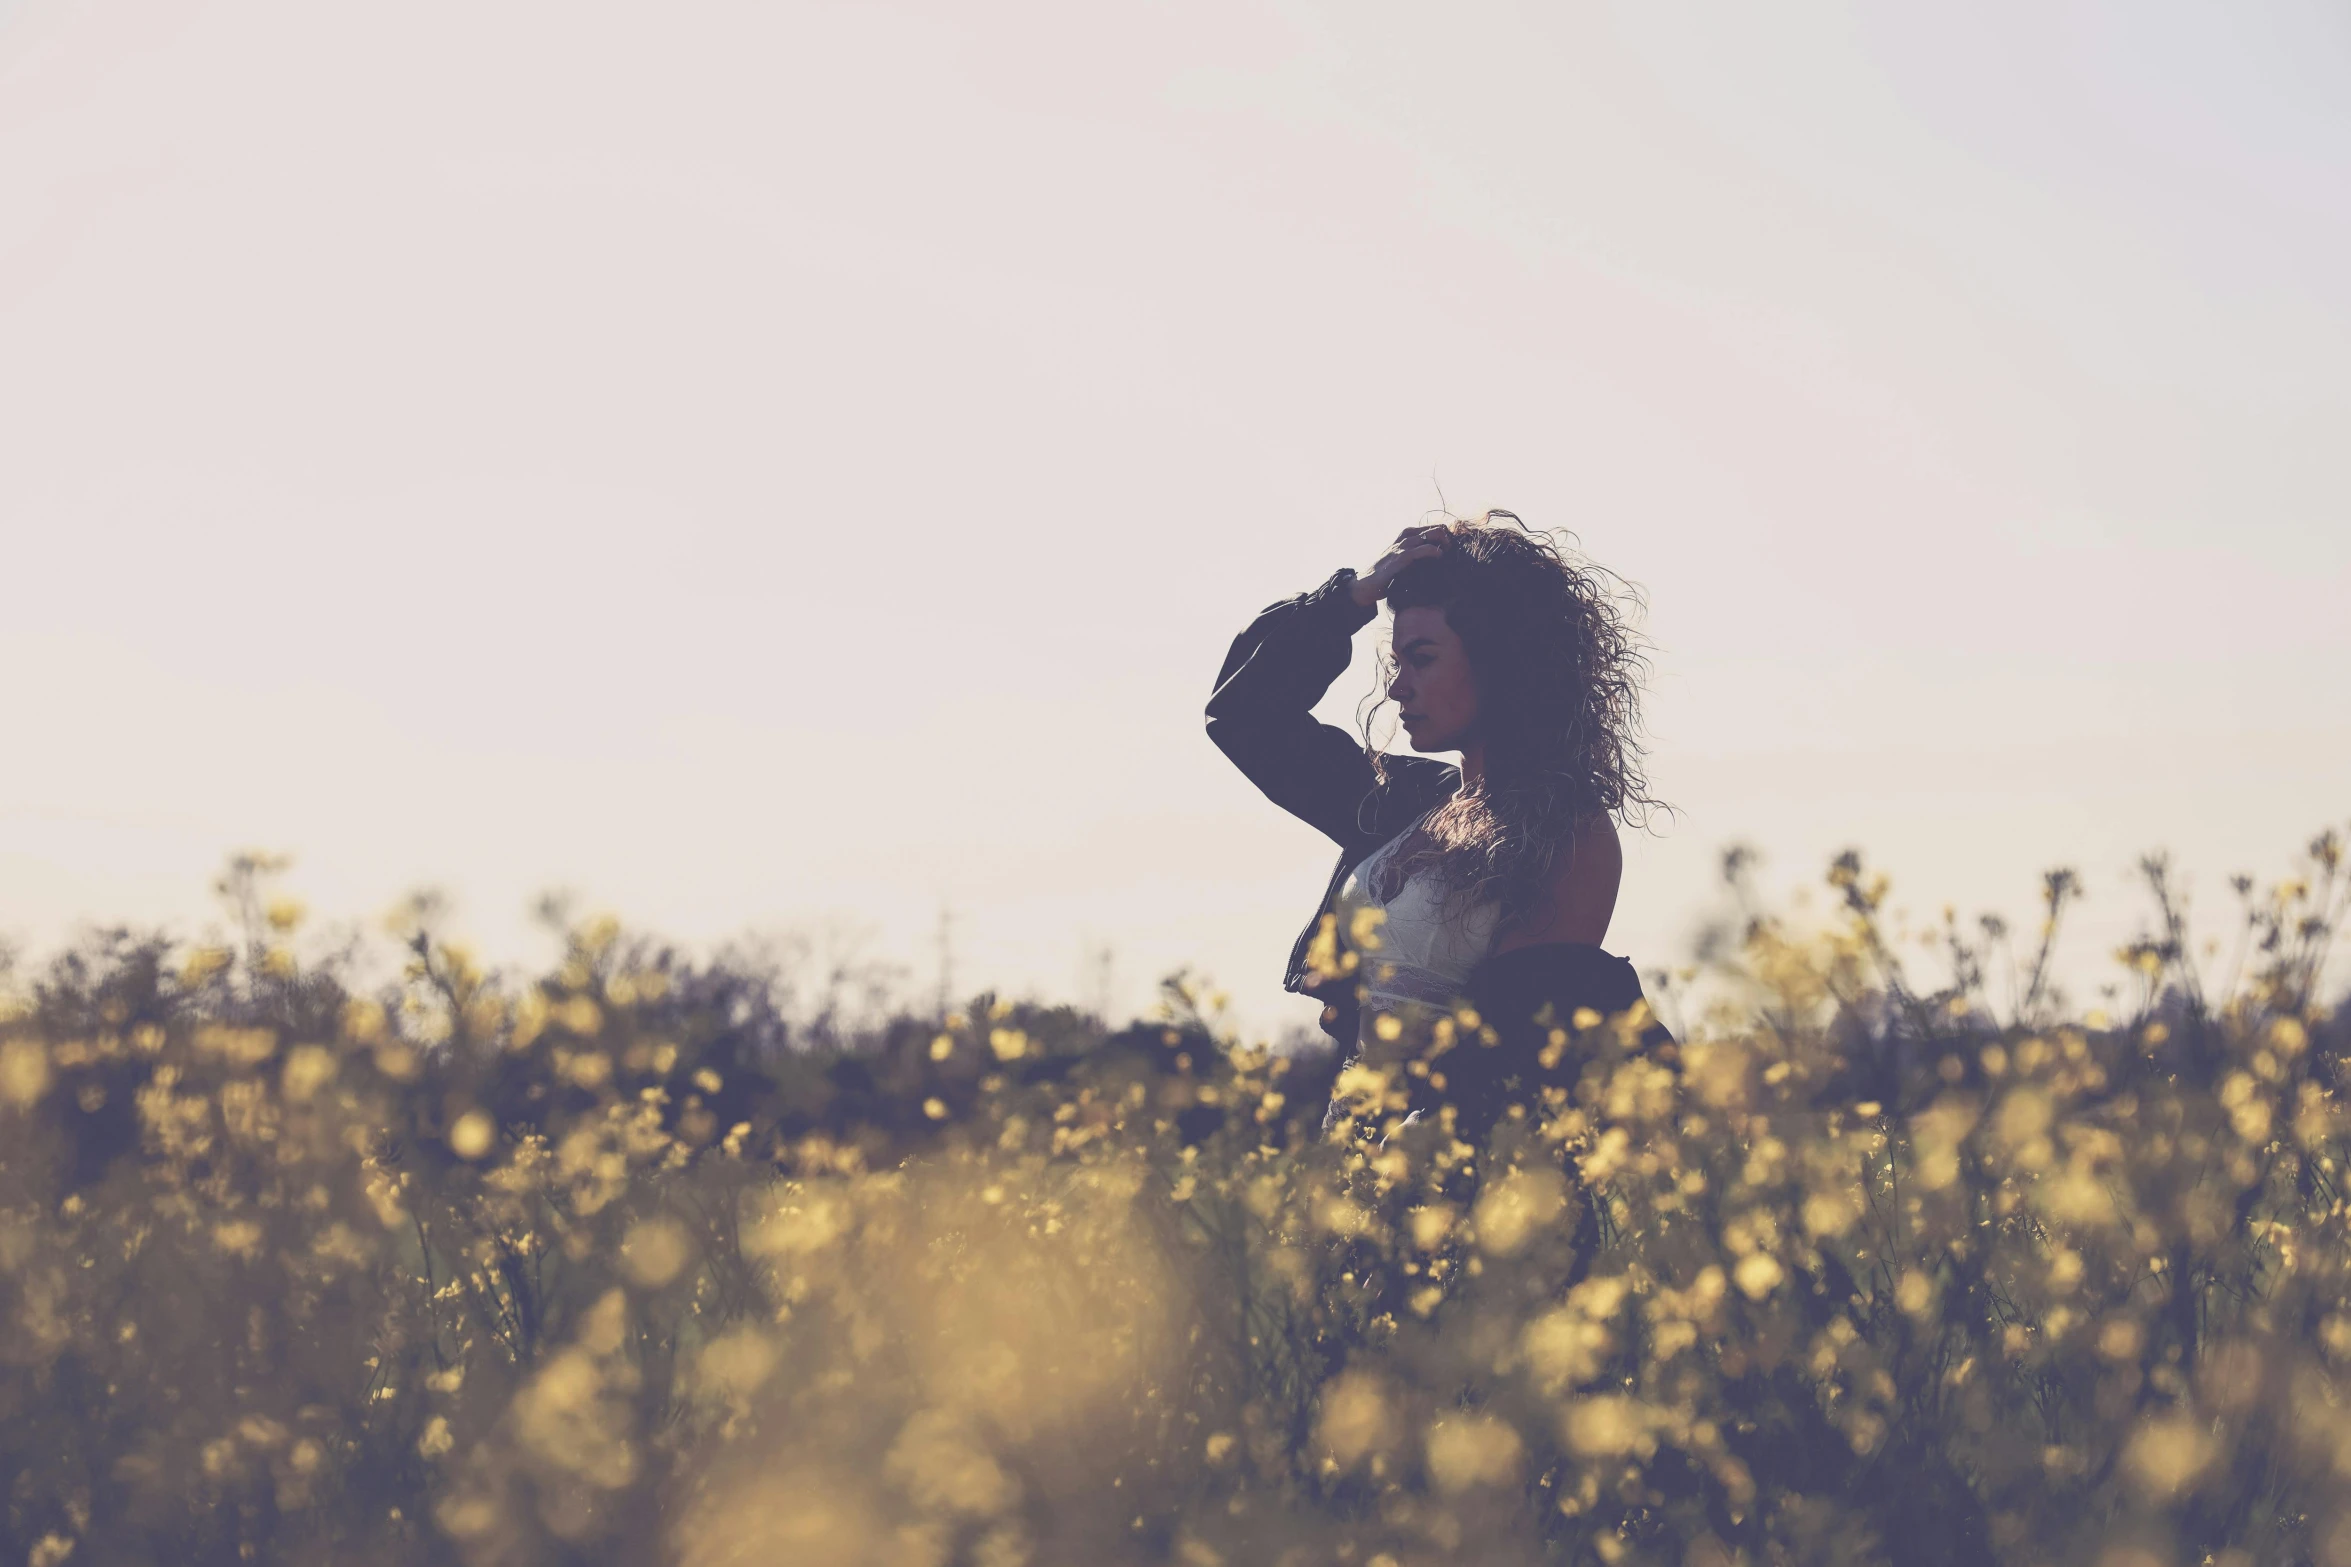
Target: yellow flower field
x=619, y=1264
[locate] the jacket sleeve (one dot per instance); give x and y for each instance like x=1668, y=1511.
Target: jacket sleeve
x=1261, y=714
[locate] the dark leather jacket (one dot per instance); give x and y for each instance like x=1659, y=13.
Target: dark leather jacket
x=1261, y=716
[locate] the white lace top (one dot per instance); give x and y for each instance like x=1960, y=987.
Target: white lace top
x=1414, y=950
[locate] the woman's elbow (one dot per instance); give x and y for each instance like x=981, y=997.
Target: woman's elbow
x=1218, y=731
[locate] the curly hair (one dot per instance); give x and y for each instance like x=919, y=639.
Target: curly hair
x=1559, y=664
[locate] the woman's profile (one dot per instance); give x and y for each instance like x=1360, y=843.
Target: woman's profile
x=1487, y=885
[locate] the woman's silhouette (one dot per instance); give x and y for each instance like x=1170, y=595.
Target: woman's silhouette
x=1491, y=883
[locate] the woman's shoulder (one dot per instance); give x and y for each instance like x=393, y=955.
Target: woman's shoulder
x=1578, y=898
x=1595, y=847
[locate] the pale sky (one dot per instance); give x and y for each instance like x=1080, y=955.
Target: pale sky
x=762, y=465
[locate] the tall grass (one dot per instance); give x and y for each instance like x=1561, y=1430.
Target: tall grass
x=623, y=1263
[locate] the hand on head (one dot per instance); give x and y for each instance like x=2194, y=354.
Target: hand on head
x=1413, y=544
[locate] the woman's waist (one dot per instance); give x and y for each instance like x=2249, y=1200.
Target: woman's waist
x=1381, y=982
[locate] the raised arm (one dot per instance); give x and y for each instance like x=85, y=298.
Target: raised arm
x=1261, y=714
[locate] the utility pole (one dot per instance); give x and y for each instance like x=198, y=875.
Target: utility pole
x=946, y=960
x=1101, y=961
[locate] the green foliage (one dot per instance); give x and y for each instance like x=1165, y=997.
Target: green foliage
x=623, y=1264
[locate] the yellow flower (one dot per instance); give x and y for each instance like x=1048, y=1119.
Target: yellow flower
x=1758, y=1274
x=655, y=1251
x=24, y=1072
x=1356, y=1419
x=1513, y=1209
x=308, y=1069
x=2167, y=1454
x=1466, y=1450
x=472, y=1135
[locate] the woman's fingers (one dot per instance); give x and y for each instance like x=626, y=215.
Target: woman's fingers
x=1413, y=544
x=1417, y=544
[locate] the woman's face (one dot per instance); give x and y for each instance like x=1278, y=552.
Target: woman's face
x=1434, y=687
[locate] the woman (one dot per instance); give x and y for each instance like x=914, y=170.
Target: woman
x=1490, y=883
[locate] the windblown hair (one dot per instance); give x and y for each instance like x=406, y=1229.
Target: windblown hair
x=1559, y=665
